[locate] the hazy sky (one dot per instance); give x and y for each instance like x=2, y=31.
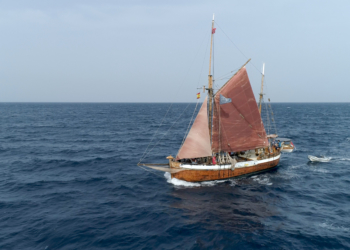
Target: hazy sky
x=157, y=51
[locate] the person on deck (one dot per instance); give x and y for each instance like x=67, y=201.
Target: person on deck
x=274, y=144
x=214, y=160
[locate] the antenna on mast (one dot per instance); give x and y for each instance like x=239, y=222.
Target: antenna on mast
x=263, y=71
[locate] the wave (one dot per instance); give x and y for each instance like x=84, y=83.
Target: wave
x=177, y=182
x=296, y=166
x=343, y=159
x=334, y=227
x=339, y=158
x=262, y=179
x=320, y=170
x=288, y=175
x=80, y=178
x=181, y=183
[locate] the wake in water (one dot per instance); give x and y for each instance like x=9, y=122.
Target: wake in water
x=262, y=179
x=339, y=158
x=320, y=170
x=296, y=166
x=177, y=182
x=344, y=159
x=289, y=173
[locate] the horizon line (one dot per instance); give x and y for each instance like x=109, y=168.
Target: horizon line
x=140, y=102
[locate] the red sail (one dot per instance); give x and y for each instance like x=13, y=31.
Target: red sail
x=197, y=143
x=237, y=125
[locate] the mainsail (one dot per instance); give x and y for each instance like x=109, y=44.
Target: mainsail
x=237, y=125
x=197, y=143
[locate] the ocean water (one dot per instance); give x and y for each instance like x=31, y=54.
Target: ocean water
x=69, y=180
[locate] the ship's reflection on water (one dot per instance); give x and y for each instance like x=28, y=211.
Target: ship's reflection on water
x=238, y=206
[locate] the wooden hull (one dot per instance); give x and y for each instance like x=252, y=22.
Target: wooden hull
x=210, y=175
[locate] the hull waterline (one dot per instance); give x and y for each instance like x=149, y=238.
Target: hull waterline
x=194, y=175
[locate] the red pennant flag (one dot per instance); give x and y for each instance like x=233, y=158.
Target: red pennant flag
x=213, y=30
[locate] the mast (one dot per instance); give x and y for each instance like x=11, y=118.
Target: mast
x=262, y=86
x=210, y=83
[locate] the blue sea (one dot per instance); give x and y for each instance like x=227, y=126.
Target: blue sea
x=69, y=180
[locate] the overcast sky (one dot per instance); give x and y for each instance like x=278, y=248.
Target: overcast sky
x=157, y=51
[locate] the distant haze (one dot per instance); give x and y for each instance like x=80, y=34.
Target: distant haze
x=157, y=51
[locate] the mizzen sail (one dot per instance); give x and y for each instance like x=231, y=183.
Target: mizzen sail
x=237, y=125
x=197, y=143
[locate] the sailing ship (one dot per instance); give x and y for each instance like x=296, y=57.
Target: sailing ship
x=227, y=138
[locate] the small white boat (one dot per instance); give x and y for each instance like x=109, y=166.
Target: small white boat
x=319, y=159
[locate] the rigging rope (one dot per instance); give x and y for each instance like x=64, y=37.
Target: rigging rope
x=164, y=134
x=267, y=116
x=236, y=46
x=183, y=140
x=269, y=110
x=229, y=73
x=144, y=153
x=161, y=123
x=188, y=128
x=273, y=120
x=147, y=153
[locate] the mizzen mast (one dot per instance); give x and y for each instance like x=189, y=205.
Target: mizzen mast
x=262, y=86
x=210, y=83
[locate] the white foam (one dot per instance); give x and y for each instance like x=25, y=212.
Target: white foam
x=320, y=170
x=177, y=182
x=296, y=166
x=332, y=226
x=212, y=183
x=289, y=175
x=262, y=179
x=233, y=183
x=338, y=158
x=344, y=159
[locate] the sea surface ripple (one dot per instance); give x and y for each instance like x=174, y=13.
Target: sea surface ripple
x=69, y=180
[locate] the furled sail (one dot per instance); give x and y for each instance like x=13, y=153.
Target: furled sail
x=197, y=143
x=237, y=125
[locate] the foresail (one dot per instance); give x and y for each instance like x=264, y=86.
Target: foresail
x=237, y=125
x=197, y=143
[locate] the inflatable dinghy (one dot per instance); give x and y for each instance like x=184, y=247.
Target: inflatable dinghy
x=319, y=159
